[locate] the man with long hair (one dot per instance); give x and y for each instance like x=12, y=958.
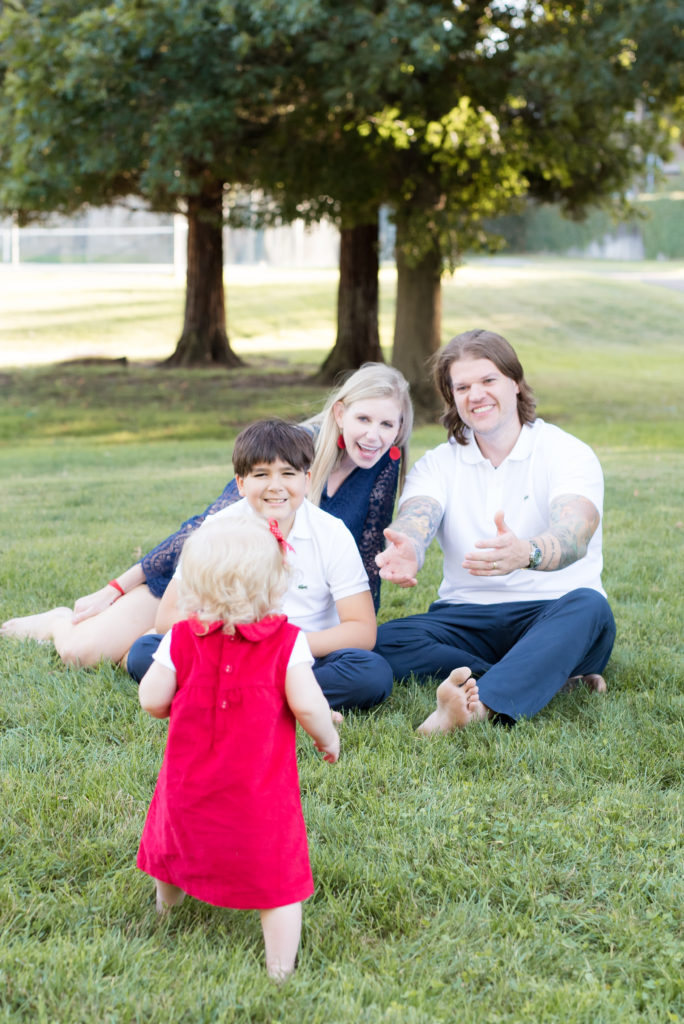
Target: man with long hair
x=515, y=504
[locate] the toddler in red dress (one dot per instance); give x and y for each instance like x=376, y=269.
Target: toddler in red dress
x=225, y=823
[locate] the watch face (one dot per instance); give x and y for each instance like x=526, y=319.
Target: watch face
x=535, y=556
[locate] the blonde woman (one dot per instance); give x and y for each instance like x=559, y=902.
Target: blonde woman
x=361, y=439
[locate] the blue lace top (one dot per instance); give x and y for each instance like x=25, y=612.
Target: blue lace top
x=364, y=501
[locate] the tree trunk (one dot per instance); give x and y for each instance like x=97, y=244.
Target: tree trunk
x=417, y=328
x=204, y=340
x=358, y=340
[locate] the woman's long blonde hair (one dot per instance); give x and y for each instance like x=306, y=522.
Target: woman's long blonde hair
x=372, y=380
x=234, y=571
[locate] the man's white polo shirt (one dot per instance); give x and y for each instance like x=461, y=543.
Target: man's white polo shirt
x=545, y=463
x=326, y=565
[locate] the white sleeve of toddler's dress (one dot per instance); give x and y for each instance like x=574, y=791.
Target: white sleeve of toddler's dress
x=163, y=652
x=301, y=652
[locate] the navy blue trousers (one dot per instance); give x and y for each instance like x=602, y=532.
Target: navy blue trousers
x=349, y=678
x=523, y=652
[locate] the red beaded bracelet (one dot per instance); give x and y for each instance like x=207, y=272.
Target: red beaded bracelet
x=117, y=586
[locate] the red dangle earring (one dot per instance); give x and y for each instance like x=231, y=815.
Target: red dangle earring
x=395, y=453
x=340, y=442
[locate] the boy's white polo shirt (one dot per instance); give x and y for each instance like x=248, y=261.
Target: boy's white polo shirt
x=545, y=463
x=326, y=565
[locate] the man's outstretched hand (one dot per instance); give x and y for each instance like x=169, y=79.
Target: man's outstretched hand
x=398, y=563
x=498, y=555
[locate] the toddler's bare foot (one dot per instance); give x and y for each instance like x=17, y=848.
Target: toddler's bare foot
x=594, y=681
x=168, y=896
x=458, y=704
x=164, y=908
x=278, y=973
x=35, y=627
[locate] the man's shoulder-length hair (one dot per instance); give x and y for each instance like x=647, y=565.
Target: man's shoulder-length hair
x=479, y=344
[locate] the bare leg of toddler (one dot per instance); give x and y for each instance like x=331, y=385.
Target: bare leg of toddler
x=458, y=704
x=282, y=928
x=168, y=896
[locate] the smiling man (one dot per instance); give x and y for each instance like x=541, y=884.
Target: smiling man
x=516, y=505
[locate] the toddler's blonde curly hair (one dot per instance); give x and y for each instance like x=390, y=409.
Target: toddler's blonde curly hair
x=234, y=571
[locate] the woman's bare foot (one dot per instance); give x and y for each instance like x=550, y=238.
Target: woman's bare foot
x=594, y=681
x=458, y=704
x=35, y=627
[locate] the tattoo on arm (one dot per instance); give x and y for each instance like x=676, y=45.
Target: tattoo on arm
x=573, y=522
x=419, y=519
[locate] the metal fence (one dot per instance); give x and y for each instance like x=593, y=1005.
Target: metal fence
x=161, y=244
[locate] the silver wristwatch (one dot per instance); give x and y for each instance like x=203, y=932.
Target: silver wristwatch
x=535, y=556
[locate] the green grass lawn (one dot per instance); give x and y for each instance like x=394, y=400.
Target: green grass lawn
x=532, y=874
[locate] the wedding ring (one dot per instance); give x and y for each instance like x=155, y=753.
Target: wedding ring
x=494, y=565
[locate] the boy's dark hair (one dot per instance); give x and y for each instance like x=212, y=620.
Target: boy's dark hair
x=268, y=440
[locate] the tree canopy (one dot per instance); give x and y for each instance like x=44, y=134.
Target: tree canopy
x=449, y=112
x=166, y=100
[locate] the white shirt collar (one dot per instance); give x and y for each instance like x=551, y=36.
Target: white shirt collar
x=521, y=449
x=302, y=522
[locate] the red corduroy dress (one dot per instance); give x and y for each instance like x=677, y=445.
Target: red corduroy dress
x=225, y=823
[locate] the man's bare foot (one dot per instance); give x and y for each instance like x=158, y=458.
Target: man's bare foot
x=458, y=704
x=594, y=681
x=35, y=627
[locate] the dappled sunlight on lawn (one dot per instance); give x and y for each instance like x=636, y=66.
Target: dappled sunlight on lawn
x=55, y=313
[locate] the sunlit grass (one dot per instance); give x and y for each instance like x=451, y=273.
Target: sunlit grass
x=496, y=875
x=553, y=310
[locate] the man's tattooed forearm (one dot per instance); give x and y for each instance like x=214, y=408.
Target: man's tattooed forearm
x=419, y=519
x=573, y=522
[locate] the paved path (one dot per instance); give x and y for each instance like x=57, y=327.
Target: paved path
x=674, y=279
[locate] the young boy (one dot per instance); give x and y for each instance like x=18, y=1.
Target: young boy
x=328, y=597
